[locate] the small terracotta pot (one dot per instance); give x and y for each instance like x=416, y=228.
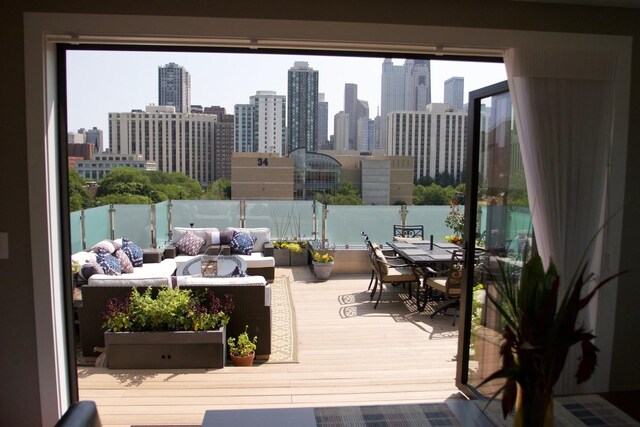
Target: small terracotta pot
x=243, y=360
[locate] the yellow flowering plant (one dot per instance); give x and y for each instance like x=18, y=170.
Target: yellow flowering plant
x=324, y=255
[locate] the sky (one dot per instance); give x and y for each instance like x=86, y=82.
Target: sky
x=100, y=82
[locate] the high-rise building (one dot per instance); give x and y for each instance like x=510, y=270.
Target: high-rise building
x=75, y=137
x=341, y=131
x=392, y=95
x=350, y=106
x=404, y=87
x=269, y=126
x=176, y=142
x=302, y=108
x=323, y=120
x=454, y=92
x=436, y=138
x=243, y=128
x=174, y=87
x=94, y=136
x=223, y=146
x=215, y=109
x=417, y=83
x=366, y=134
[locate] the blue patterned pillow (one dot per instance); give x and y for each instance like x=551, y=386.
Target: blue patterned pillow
x=242, y=243
x=133, y=252
x=109, y=263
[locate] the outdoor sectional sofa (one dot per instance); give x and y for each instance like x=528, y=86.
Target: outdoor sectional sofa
x=259, y=263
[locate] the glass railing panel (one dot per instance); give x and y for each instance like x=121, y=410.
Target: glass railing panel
x=290, y=219
x=218, y=214
x=344, y=224
x=432, y=218
x=162, y=223
x=134, y=223
x=75, y=223
x=97, y=226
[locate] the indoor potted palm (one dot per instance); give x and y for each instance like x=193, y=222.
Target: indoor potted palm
x=174, y=328
x=539, y=330
x=242, y=349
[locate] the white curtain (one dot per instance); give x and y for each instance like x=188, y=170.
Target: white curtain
x=563, y=104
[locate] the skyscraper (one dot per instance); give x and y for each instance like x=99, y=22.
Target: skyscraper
x=417, y=84
x=404, y=87
x=341, y=131
x=350, y=105
x=174, y=87
x=269, y=128
x=302, y=108
x=435, y=138
x=454, y=92
x=223, y=146
x=243, y=128
x=177, y=142
x=323, y=120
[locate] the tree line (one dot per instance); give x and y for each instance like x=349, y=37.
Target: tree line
x=134, y=186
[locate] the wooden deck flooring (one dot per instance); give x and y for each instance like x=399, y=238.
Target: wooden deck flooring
x=349, y=354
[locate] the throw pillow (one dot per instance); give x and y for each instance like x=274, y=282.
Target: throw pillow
x=107, y=245
x=110, y=264
x=190, y=244
x=89, y=269
x=226, y=236
x=125, y=263
x=214, y=237
x=238, y=273
x=382, y=262
x=242, y=243
x=133, y=252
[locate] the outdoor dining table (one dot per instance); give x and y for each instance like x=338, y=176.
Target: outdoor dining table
x=423, y=254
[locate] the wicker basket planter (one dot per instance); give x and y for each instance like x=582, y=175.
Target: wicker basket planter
x=159, y=350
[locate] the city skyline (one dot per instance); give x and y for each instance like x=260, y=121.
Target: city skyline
x=100, y=82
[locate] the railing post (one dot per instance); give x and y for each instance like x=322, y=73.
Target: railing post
x=154, y=243
x=170, y=220
x=314, y=225
x=242, y=213
x=112, y=222
x=403, y=215
x=83, y=232
x=325, y=211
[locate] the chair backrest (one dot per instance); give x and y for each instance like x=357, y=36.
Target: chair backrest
x=453, y=284
x=410, y=231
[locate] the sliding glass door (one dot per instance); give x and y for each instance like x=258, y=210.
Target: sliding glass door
x=498, y=220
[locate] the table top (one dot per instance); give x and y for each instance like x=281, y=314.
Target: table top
x=423, y=253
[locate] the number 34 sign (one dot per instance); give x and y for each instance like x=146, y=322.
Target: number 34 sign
x=263, y=162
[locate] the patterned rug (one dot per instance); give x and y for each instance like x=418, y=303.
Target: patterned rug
x=284, y=344
x=579, y=410
x=428, y=414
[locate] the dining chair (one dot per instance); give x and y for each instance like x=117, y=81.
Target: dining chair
x=448, y=283
x=408, y=232
x=394, y=274
x=394, y=260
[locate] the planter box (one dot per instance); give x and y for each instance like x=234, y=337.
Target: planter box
x=172, y=350
x=282, y=257
x=300, y=259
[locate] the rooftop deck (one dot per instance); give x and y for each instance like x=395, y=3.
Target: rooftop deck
x=348, y=354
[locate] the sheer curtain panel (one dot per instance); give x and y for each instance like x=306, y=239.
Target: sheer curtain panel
x=563, y=102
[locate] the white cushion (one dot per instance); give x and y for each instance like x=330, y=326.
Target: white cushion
x=150, y=274
x=257, y=260
x=261, y=234
x=234, y=281
x=84, y=257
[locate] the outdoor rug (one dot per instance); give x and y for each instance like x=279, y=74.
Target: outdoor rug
x=578, y=410
x=428, y=414
x=284, y=344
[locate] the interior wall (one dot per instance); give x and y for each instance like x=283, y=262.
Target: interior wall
x=21, y=404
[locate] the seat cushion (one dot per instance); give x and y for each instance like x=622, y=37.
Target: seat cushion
x=258, y=260
x=400, y=274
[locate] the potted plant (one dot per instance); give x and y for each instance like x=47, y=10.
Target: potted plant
x=537, y=335
x=174, y=328
x=289, y=248
x=455, y=221
x=323, y=262
x=242, y=349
